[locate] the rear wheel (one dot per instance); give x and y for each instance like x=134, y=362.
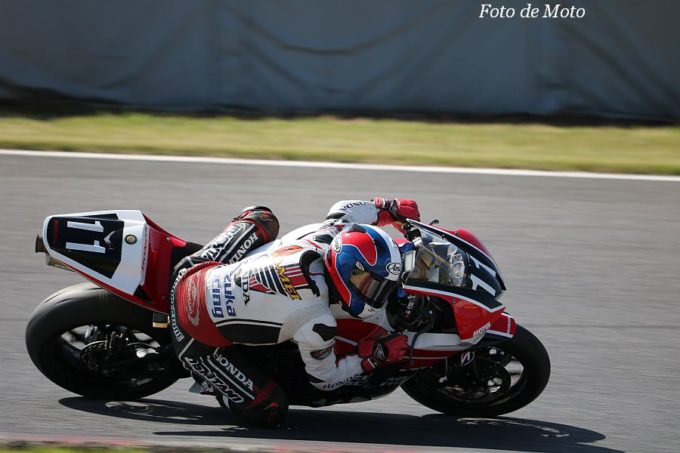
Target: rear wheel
x=97, y=345
x=496, y=380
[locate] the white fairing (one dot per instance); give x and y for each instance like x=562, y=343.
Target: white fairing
x=437, y=342
x=132, y=268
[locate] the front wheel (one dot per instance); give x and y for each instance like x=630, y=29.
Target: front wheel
x=494, y=381
x=97, y=345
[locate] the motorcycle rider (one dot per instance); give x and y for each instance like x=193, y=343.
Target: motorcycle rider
x=219, y=300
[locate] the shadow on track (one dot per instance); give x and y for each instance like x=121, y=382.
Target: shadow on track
x=503, y=433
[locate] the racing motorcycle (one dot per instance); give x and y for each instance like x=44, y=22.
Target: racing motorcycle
x=109, y=338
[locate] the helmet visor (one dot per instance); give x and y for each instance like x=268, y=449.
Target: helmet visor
x=375, y=290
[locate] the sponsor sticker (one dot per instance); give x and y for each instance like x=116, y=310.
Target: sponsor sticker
x=222, y=297
x=354, y=204
x=379, y=352
x=224, y=238
x=229, y=295
x=192, y=302
x=173, y=316
x=394, y=268
x=245, y=248
x=287, y=284
x=482, y=330
x=216, y=298
x=214, y=380
x=245, y=287
x=232, y=370
x=467, y=357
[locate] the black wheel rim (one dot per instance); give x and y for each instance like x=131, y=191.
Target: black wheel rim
x=493, y=377
x=86, y=355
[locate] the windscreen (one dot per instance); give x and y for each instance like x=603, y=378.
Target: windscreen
x=439, y=261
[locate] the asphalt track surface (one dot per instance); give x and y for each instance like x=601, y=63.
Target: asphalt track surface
x=592, y=267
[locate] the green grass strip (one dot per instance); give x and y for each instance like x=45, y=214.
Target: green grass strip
x=636, y=149
x=71, y=449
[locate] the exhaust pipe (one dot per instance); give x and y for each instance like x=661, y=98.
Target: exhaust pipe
x=39, y=245
x=40, y=248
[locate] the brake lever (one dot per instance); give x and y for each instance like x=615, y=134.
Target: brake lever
x=410, y=232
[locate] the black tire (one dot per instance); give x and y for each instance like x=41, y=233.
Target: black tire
x=86, y=305
x=524, y=347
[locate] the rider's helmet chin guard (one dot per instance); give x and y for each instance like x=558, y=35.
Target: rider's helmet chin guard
x=364, y=265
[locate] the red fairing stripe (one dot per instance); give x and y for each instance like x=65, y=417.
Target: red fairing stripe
x=471, y=319
x=504, y=326
x=425, y=292
x=177, y=242
x=158, y=269
x=470, y=238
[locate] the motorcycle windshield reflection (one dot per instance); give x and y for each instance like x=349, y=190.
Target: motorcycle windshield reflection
x=439, y=262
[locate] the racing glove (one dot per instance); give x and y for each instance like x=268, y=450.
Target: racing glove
x=395, y=210
x=383, y=351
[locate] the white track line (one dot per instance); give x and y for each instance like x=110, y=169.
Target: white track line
x=338, y=165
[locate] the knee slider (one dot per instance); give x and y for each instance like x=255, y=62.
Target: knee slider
x=270, y=411
x=264, y=218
